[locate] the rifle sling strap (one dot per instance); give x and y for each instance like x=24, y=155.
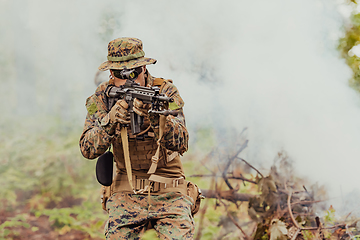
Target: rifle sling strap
x=155, y=158
x=125, y=144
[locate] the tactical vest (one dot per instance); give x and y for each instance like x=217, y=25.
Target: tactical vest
x=141, y=150
x=142, y=147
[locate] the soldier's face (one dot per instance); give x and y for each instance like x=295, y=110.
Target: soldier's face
x=141, y=78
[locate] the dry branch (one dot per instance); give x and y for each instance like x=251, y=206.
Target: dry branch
x=229, y=177
x=251, y=166
x=229, y=195
x=230, y=161
x=275, y=200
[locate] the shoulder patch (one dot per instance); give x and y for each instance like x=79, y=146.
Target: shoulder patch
x=92, y=108
x=173, y=106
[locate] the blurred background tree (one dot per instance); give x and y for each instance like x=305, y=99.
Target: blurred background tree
x=349, y=44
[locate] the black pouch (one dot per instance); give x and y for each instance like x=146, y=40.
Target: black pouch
x=104, y=168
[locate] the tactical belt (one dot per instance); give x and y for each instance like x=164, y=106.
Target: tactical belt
x=158, y=184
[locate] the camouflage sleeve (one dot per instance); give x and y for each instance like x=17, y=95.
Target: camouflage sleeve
x=175, y=136
x=94, y=139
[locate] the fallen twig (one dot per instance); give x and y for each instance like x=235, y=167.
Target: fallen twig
x=251, y=166
x=306, y=202
x=242, y=147
x=296, y=233
x=229, y=195
x=205, y=159
x=226, y=180
x=299, y=228
x=229, y=177
x=290, y=211
x=230, y=160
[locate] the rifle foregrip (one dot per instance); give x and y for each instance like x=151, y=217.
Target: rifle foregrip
x=134, y=123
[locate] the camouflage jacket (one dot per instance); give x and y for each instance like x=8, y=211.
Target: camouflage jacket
x=94, y=140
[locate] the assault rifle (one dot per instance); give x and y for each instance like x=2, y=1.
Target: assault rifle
x=131, y=90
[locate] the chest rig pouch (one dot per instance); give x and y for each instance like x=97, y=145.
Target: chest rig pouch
x=141, y=150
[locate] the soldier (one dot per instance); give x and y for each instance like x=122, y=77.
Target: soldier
x=152, y=192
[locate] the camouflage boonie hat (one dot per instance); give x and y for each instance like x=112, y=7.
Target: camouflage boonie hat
x=125, y=53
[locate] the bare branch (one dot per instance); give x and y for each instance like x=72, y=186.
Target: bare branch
x=226, y=180
x=227, y=195
x=306, y=202
x=290, y=211
x=229, y=177
x=296, y=233
x=250, y=166
x=205, y=159
x=242, y=147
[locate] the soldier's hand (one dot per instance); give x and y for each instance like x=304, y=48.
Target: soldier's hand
x=141, y=108
x=119, y=113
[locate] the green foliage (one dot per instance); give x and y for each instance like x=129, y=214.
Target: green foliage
x=211, y=219
x=82, y=218
x=210, y=232
x=44, y=173
x=308, y=235
x=350, y=39
x=213, y=214
x=203, y=139
x=47, y=161
x=265, y=237
x=330, y=216
x=13, y=222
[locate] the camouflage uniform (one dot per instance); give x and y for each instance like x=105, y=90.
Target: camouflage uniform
x=169, y=215
x=169, y=212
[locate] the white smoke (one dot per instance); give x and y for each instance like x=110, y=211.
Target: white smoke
x=271, y=66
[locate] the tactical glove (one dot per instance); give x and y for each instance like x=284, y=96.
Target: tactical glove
x=117, y=114
x=141, y=108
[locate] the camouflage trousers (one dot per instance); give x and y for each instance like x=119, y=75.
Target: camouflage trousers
x=130, y=216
